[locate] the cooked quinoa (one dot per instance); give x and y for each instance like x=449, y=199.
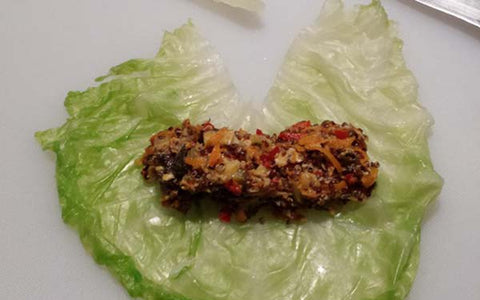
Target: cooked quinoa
x=305, y=166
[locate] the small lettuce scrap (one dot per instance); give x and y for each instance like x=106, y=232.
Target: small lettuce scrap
x=348, y=66
x=250, y=5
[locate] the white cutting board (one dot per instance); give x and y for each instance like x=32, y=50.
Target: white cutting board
x=49, y=47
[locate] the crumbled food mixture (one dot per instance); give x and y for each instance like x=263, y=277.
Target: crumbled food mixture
x=303, y=167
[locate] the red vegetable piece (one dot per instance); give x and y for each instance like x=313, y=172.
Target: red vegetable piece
x=259, y=132
x=267, y=159
x=289, y=136
x=224, y=216
x=341, y=133
x=207, y=126
x=234, y=187
x=302, y=125
x=350, y=178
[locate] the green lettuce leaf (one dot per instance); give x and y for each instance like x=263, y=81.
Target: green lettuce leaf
x=251, y=5
x=348, y=66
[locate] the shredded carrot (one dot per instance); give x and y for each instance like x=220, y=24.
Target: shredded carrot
x=341, y=185
x=299, y=148
x=217, y=137
x=332, y=159
x=326, y=151
x=253, y=153
x=364, y=159
x=341, y=143
x=195, y=162
x=311, y=140
x=214, y=156
x=369, y=179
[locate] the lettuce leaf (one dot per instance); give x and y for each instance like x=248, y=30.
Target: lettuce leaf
x=251, y=5
x=348, y=66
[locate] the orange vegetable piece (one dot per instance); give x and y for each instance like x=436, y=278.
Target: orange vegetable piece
x=214, y=156
x=369, y=179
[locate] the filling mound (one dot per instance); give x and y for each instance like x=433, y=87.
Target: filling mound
x=319, y=166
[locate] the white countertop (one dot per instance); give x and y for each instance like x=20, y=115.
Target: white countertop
x=50, y=47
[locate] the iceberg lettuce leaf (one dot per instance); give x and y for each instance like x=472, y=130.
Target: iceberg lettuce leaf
x=348, y=66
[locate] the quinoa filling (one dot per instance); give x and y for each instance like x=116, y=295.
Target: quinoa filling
x=306, y=166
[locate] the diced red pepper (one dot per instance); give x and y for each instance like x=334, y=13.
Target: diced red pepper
x=290, y=136
x=275, y=180
x=341, y=133
x=294, y=136
x=267, y=159
x=207, y=126
x=302, y=125
x=259, y=132
x=224, y=216
x=350, y=178
x=234, y=187
x=266, y=162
